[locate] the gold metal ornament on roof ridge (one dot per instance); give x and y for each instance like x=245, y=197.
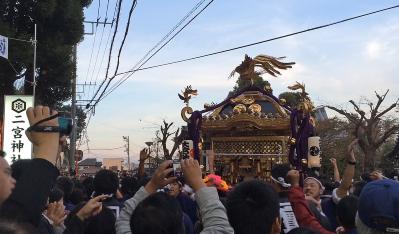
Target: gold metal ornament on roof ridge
x=266, y=63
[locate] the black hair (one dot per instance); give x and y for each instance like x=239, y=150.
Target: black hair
x=128, y=186
x=55, y=195
x=159, y=213
x=346, y=211
x=18, y=166
x=280, y=170
x=66, y=185
x=302, y=230
x=358, y=187
x=77, y=196
x=105, y=182
x=88, y=186
x=103, y=223
x=252, y=207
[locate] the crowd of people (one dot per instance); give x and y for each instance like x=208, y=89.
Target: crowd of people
x=34, y=198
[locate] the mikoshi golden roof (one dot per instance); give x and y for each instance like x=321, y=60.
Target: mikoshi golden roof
x=253, y=108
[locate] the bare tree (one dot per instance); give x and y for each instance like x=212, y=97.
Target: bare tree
x=369, y=128
x=163, y=137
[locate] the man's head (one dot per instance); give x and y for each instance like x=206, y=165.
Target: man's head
x=379, y=206
x=7, y=182
x=312, y=187
x=175, y=188
x=279, y=177
x=253, y=207
x=66, y=185
x=158, y=213
x=105, y=182
x=346, y=211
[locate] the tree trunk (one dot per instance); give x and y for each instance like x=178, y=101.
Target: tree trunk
x=369, y=159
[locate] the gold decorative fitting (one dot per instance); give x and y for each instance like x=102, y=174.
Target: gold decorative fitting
x=292, y=141
x=305, y=104
x=186, y=96
x=255, y=108
x=283, y=101
x=240, y=108
x=267, y=64
x=268, y=88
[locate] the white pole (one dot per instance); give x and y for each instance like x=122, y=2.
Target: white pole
x=34, y=67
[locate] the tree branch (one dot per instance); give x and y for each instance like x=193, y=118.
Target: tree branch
x=380, y=100
x=349, y=116
x=387, y=134
x=388, y=109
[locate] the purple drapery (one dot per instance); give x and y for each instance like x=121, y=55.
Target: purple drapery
x=194, y=127
x=301, y=130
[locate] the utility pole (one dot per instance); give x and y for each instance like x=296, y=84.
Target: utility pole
x=126, y=138
x=73, y=116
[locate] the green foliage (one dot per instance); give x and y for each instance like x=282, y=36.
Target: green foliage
x=242, y=84
x=292, y=98
x=59, y=29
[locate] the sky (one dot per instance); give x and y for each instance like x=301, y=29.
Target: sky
x=338, y=63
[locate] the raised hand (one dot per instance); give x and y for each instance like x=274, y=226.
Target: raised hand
x=144, y=154
x=351, y=152
x=56, y=213
x=333, y=161
x=160, y=178
x=192, y=173
x=293, y=178
x=45, y=145
x=91, y=208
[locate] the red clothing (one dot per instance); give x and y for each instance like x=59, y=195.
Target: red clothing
x=302, y=212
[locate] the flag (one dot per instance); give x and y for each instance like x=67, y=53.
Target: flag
x=4, y=47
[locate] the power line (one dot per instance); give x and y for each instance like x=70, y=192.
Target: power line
x=94, y=42
x=106, y=46
x=117, y=85
x=127, y=77
x=259, y=42
x=134, y=3
x=110, y=49
x=99, y=46
x=106, y=149
x=153, y=48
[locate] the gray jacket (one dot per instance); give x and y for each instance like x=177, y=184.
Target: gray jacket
x=212, y=211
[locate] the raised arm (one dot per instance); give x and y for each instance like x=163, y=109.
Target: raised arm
x=29, y=197
x=337, y=177
x=300, y=206
x=349, y=173
x=213, y=213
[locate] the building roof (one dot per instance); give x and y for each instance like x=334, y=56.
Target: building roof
x=88, y=162
x=90, y=170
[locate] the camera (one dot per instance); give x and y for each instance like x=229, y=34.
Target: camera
x=177, y=172
x=65, y=125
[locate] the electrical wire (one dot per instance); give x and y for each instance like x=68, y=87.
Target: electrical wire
x=163, y=39
x=110, y=49
x=106, y=47
x=117, y=85
x=94, y=42
x=99, y=46
x=259, y=42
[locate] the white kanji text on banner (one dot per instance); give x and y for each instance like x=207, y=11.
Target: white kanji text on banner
x=16, y=144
